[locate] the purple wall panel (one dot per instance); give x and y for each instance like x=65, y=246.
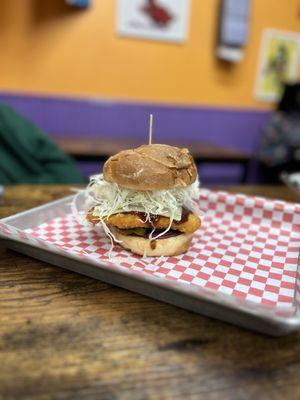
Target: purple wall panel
x=69, y=116
x=97, y=117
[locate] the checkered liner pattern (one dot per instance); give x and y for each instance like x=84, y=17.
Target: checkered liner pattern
x=247, y=247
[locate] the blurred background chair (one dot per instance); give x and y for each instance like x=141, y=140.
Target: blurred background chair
x=280, y=143
x=27, y=155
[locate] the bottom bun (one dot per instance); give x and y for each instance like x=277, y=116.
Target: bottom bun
x=172, y=246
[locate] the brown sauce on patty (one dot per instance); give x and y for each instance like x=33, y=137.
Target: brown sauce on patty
x=154, y=218
x=153, y=245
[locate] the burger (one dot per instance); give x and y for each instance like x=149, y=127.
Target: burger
x=145, y=199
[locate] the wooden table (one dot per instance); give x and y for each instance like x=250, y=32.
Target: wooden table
x=91, y=149
x=65, y=336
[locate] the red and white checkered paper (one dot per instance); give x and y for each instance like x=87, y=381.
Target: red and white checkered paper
x=247, y=247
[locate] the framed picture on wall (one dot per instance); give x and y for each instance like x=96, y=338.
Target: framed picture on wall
x=279, y=63
x=79, y=3
x=165, y=20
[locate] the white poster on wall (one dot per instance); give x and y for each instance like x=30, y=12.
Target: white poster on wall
x=279, y=63
x=165, y=20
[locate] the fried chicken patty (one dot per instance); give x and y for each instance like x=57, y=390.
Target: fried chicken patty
x=129, y=220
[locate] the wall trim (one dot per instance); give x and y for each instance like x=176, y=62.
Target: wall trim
x=237, y=127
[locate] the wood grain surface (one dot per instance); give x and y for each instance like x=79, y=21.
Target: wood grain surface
x=65, y=336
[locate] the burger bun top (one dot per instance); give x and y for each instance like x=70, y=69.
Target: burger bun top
x=151, y=167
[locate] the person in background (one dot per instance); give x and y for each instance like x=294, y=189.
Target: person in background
x=27, y=155
x=280, y=144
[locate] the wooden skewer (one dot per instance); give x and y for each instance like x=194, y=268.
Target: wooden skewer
x=150, y=128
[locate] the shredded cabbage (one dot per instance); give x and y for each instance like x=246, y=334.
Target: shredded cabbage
x=109, y=198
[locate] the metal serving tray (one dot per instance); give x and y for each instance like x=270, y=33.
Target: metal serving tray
x=242, y=266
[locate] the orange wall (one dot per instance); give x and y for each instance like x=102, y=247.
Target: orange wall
x=46, y=47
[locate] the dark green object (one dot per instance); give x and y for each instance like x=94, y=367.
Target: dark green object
x=27, y=155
